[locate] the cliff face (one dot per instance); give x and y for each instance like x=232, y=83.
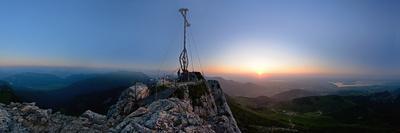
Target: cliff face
x=224, y=120
x=185, y=107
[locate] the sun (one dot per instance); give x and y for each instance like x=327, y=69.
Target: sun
x=259, y=68
x=260, y=71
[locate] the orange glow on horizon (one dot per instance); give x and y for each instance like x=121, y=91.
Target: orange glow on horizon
x=263, y=72
x=258, y=57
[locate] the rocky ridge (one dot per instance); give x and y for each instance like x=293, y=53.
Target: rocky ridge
x=188, y=107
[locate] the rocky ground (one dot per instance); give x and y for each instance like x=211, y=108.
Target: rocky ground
x=197, y=107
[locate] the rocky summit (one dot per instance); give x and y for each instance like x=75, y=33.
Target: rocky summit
x=175, y=107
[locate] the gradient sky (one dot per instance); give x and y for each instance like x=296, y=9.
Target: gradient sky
x=282, y=36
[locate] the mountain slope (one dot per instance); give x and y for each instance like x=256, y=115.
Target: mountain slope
x=250, y=121
x=377, y=112
x=98, y=101
x=103, y=82
x=6, y=93
x=234, y=88
x=255, y=103
x=292, y=94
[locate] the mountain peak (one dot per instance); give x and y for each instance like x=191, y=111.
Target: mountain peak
x=183, y=107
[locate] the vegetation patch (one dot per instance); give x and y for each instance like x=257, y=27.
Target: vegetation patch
x=157, y=88
x=196, y=91
x=7, y=95
x=179, y=93
x=250, y=121
x=318, y=114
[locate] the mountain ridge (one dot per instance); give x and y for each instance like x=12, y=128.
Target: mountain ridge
x=196, y=107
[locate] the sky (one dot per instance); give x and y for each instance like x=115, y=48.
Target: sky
x=260, y=37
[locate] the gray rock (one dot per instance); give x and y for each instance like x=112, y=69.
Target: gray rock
x=166, y=115
x=5, y=121
x=140, y=111
x=93, y=117
x=128, y=102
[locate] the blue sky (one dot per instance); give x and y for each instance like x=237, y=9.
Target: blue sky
x=282, y=36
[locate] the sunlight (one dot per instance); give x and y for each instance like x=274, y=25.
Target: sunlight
x=258, y=67
x=260, y=72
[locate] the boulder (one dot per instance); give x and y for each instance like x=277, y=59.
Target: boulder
x=128, y=101
x=5, y=121
x=93, y=118
x=165, y=115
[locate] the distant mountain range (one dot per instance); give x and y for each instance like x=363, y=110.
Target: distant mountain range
x=42, y=81
x=272, y=87
x=75, y=93
x=234, y=88
x=289, y=89
x=35, y=81
x=292, y=94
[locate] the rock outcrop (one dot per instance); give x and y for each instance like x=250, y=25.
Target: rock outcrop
x=167, y=115
x=26, y=117
x=127, y=102
x=184, y=107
